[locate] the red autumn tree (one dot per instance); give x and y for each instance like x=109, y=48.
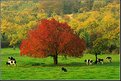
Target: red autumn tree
x=52, y=38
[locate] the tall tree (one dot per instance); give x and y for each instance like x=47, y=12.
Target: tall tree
x=99, y=46
x=52, y=38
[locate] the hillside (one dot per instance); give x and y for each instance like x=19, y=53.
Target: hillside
x=95, y=24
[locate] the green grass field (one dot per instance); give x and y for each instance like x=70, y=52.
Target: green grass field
x=31, y=68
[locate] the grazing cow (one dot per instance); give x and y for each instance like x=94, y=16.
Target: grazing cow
x=109, y=59
x=11, y=61
x=64, y=69
x=88, y=61
x=99, y=60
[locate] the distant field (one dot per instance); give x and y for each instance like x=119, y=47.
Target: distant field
x=31, y=68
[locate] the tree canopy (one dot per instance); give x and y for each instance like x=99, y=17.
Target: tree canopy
x=90, y=19
x=52, y=38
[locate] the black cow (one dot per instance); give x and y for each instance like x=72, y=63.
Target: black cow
x=88, y=61
x=99, y=60
x=109, y=59
x=64, y=69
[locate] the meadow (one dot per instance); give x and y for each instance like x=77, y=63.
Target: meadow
x=29, y=68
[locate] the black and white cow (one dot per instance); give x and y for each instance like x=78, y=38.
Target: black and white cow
x=88, y=61
x=109, y=59
x=11, y=61
x=99, y=60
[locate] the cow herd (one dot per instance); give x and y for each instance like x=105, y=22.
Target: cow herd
x=12, y=61
x=99, y=60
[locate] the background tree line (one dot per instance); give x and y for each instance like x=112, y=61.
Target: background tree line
x=97, y=21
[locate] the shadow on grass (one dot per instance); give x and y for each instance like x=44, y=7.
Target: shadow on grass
x=72, y=64
x=32, y=64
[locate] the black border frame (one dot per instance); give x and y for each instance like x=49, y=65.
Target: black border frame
x=54, y=80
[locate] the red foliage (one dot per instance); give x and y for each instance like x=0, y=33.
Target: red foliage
x=52, y=38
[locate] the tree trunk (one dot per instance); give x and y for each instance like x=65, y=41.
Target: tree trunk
x=55, y=58
x=14, y=47
x=96, y=58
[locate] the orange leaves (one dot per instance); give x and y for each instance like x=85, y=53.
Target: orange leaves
x=50, y=38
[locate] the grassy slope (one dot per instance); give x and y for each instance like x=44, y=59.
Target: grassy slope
x=31, y=68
